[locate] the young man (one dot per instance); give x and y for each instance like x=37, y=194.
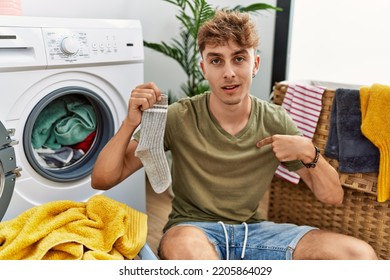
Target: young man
x=226, y=146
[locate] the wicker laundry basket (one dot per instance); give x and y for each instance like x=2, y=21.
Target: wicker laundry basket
x=360, y=215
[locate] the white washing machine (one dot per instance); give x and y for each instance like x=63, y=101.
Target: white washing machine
x=45, y=61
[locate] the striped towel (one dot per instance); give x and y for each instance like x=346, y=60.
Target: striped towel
x=303, y=103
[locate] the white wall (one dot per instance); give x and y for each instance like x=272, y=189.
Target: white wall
x=159, y=24
x=344, y=41
x=76, y=8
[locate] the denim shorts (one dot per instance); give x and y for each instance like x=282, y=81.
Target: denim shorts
x=256, y=241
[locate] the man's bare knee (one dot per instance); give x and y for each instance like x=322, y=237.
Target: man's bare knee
x=319, y=244
x=186, y=243
x=362, y=251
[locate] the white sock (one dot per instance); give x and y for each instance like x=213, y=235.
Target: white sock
x=150, y=149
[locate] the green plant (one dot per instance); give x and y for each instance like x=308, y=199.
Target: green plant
x=192, y=14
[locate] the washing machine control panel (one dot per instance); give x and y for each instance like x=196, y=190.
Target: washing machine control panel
x=67, y=46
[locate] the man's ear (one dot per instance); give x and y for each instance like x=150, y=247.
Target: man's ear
x=256, y=65
x=201, y=64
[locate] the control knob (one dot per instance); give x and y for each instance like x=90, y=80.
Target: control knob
x=70, y=45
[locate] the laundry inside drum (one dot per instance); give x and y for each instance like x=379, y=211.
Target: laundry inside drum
x=64, y=132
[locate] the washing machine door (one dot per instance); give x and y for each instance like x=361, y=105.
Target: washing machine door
x=8, y=169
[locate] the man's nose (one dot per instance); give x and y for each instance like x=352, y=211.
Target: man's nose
x=229, y=71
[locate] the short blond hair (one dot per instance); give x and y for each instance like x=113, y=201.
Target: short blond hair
x=228, y=25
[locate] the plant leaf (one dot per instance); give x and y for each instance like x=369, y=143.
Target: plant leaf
x=255, y=7
x=165, y=49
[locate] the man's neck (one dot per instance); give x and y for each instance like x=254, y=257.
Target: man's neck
x=232, y=118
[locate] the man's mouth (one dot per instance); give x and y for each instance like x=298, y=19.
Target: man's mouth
x=230, y=87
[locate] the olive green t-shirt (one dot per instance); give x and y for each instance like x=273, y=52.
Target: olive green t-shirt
x=217, y=176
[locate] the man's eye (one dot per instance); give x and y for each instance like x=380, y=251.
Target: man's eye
x=215, y=61
x=240, y=59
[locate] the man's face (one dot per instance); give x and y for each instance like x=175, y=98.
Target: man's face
x=229, y=70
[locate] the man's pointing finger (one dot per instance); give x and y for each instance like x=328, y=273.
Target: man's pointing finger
x=265, y=141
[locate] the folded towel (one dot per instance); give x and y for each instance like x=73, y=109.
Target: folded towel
x=375, y=107
x=346, y=142
x=304, y=104
x=100, y=228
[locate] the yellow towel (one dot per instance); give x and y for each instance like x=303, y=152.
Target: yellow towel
x=375, y=107
x=100, y=228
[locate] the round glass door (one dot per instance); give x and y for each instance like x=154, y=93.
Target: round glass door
x=65, y=132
